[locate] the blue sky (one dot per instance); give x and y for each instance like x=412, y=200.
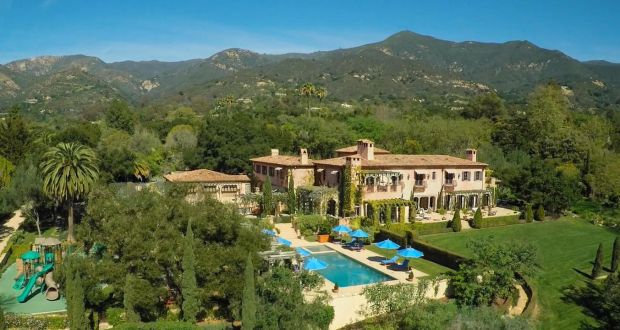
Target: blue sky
x=172, y=30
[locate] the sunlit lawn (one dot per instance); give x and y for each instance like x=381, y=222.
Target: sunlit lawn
x=425, y=266
x=566, y=249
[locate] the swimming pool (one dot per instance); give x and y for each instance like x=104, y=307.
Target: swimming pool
x=318, y=248
x=346, y=272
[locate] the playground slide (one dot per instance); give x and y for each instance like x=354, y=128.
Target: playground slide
x=52, y=288
x=32, y=281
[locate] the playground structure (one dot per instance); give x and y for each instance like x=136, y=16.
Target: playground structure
x=35, y=269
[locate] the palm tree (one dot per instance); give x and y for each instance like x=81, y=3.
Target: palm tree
x=320, y=93
x=69, y=172
x=307, y=90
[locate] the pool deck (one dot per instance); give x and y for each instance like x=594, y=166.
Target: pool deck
x=349, y=303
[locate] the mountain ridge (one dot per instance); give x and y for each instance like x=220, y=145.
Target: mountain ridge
x=405, y=64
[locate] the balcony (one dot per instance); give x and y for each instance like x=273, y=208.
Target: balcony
x=419, y=185
x=449, y=185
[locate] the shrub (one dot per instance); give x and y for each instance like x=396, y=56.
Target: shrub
x=20, y=321
x=598, y=262
x=431, y=228
x=115, y=315
x=499, y=221
x=438, y=255
x=456, y=221
x=540, y=213
x=159, y=325
x=615, y=254
x=476, y=222
x=529, y=214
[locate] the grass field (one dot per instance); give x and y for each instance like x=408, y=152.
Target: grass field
x=565, y=248
x=425, y=266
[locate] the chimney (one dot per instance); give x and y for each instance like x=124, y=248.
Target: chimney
x=366, y=149
x=470, y=154
x=353, y=161
x=303, y=155
x=275, y=152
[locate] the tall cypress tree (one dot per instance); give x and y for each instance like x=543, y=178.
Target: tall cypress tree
x=456, y=221
x=540, y=213
x=2, y=320
x=248, y=312
x=292, y=196
x=615, y=255
x=267, y=200
x=189, y=289
x=477, y=222
x=75, y=302
x=529, y=214
x=598, y=262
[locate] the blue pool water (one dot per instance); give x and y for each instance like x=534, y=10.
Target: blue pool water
x=345, y=272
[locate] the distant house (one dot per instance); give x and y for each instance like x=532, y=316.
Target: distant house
x=226, y=188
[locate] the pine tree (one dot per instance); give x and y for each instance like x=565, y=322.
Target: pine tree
x=189, y=289
x=598, y=262
x=456, y=221
x=529, y=213
x=540, y=213
x=248, y=312
x=267, y=201
x=75, y=302
x=292, y=197
x=615, y=255
x=477, y=223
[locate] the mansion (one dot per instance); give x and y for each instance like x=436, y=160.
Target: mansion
x=426, y=182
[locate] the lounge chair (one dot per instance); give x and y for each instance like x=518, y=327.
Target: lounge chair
x=390, y=261
x=356, y=246
x=403, y=266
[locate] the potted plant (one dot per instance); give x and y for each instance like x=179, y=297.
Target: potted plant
x=410, y=277
x=323, y=233
x=336, y=288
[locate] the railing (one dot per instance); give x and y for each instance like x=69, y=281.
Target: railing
x=419, y=185
x=449, y=185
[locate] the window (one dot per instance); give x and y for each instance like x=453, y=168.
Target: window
x=419, y=179
x=263, y=169
x=272, y=171
x=466, y=176
x=449, y=178
x=257, y=168
x=433, y=175
x=478, y=175
x=210, y=188
x=229, y=188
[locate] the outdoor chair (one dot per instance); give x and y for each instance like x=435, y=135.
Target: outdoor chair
x=390, y=261
x=402, y=266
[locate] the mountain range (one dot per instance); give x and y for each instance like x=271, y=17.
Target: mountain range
x=405, y=65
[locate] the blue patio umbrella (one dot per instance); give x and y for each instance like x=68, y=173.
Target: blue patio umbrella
x=302, y=252
x=410, y=253
x=283, y=241
x=311, y=264
x=268, y=232
x=388, y=245
x=341, y=229
x=358, y=234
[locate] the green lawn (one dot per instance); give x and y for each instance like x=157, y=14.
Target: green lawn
x=430, y=268
x=565, y=248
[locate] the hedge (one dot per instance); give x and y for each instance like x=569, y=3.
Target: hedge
x=438, y=255
x=396, y=237
x=160, y=325
x=431, y=228
x=499, y=221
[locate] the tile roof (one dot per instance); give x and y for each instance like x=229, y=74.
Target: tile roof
x=390, y=160
x=204, y=175
x=282, y=160
x=354, y=149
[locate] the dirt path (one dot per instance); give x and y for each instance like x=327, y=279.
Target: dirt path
x=9, y=228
